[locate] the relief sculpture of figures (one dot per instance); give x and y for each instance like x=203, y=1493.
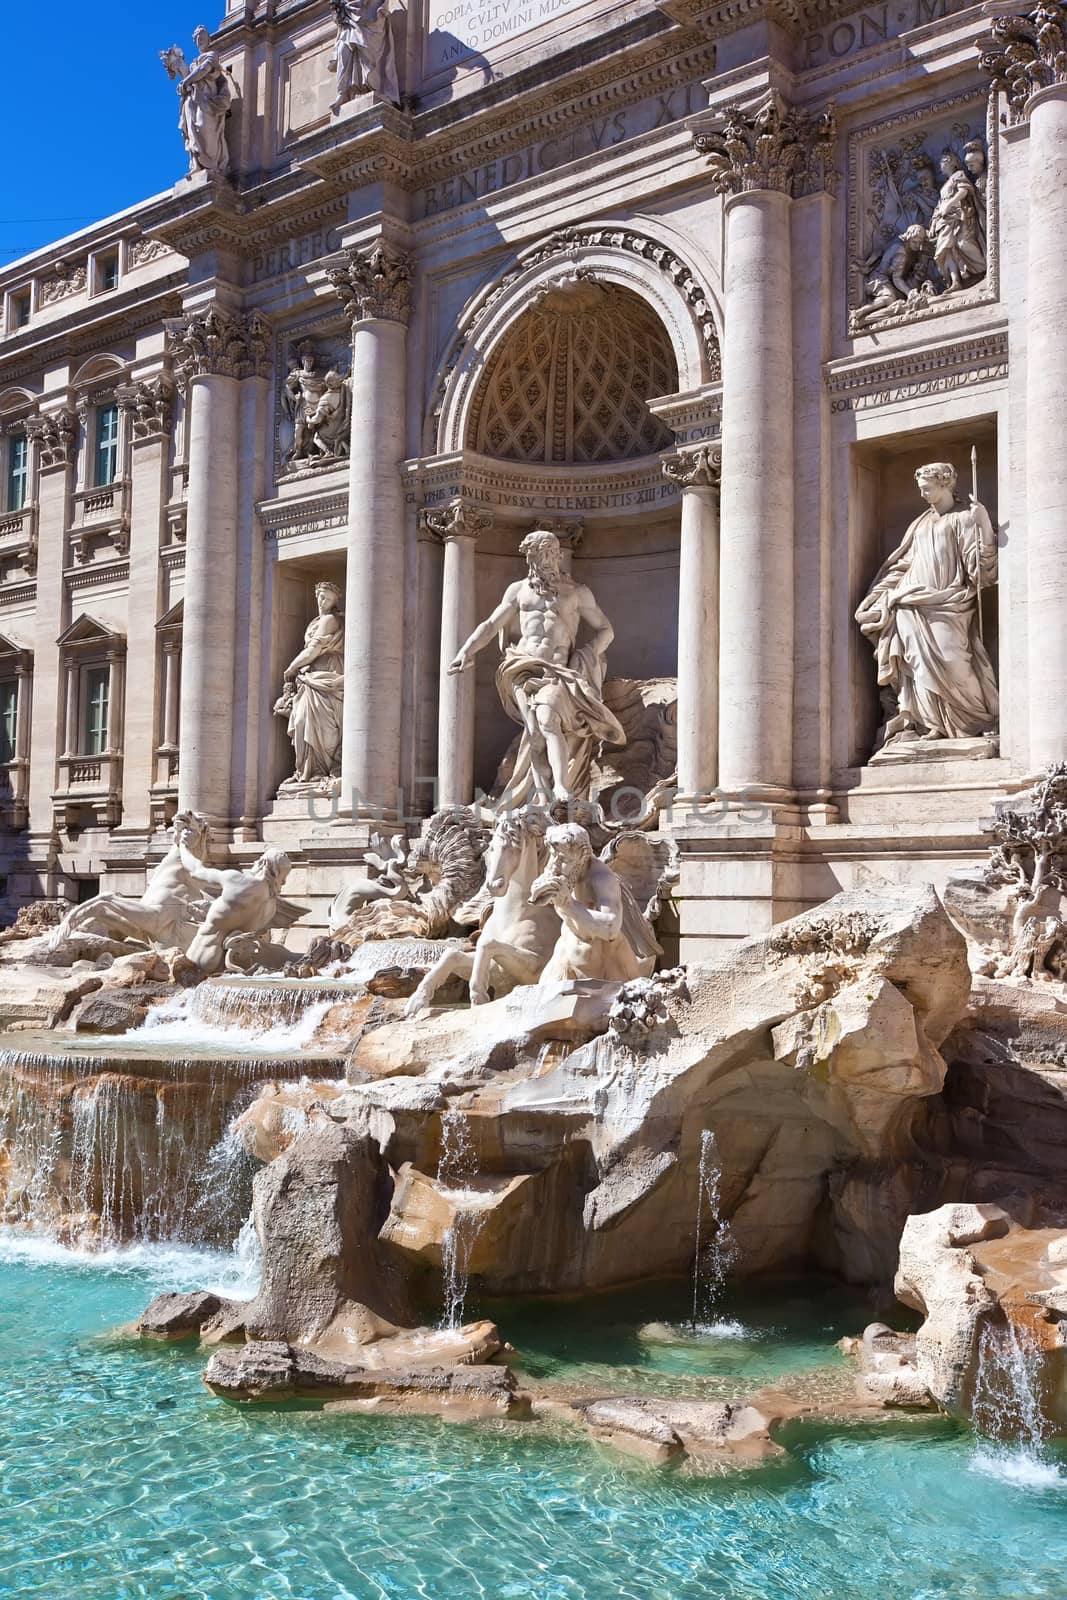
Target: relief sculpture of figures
x=364, y=58
x=313, y=693
x=548, y=683
x=922, y=618
x=956, y=231
x=207, y=93
x=928, y=224
x=319, y=408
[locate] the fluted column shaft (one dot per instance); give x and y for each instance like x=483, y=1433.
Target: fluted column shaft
x=1046, y=404
x=375, y=286
x=756, y=570
x=697, y=475
x=214, y=350
x=458, y=528
x=210, y=580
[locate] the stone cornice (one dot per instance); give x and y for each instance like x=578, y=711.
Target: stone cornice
x=85, y=331
x=216, y=342
x=860, y=384
x=375, y=284
x=771, y=146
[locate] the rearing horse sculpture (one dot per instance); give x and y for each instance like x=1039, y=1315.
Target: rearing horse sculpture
x=517, y=937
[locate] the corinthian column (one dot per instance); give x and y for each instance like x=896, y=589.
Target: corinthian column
x=1027, y=62
x=697, y=474
x=213, y=350
x=760, y=160
x=375, y=286
x=458, y=527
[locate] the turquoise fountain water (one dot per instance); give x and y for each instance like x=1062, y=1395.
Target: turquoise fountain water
x=120, y=1477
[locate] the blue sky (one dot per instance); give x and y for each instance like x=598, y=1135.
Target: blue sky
x=88, y=116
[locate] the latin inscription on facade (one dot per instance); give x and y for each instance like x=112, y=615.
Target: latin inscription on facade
x=295, y=253
x=459, y=29
x=601, y=133
x=873, y=26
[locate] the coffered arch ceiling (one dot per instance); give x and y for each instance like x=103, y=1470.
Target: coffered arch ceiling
x=570, y=381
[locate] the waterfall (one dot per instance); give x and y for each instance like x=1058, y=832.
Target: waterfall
x=270, y=1018
x=456, y=1169
x=715, y=1248
x=1007, y=1407
x=111, y=1144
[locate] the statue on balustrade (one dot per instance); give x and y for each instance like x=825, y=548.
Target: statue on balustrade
x=923, y=618
x=549, y=684
x=207, y=93
x=365, y=56
x=313, y=693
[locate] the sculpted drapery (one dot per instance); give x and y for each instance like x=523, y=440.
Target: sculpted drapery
x=921, y=616
x=313, y=697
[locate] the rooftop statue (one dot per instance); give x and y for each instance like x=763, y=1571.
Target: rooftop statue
x=313, y=692
x=922, y=616
x=207, y=93
x=365, y=57
x=548, y=683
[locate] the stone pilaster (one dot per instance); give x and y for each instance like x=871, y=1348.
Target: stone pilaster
x=760, y=159
x=458, y=527
x=375, y=288
x=148, y=406
x=54, y=439
x=698, y=474
x=214, y=350
x=1026, y=59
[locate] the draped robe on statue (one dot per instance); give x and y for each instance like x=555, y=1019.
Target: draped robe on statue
x=315, y=717
x=921, y=615
x=586, y=721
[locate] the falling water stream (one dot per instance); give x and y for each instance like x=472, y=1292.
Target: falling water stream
x=715, y=1248
x=1008, y=1414
x=456, y=1170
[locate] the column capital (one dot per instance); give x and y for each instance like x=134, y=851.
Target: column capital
x=55, y=433
x=457, y=520
x=149, y=404
x=694, y=469
x=1025, y=53
x=375, y=284
x=771, y=147
x=216, y=342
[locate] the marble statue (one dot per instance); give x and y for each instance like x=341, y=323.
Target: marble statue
x=518, y=936
x=207, y=93
x=922, y=617
x=166, y=915
x=603, y=933
x=313, y=693
x=246, y=903
x=365, y=58
x=319, y=407
x=956, y=227
x=549, y=684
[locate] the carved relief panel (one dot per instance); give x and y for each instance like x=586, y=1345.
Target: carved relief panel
x=922, y=215
x=314, y=403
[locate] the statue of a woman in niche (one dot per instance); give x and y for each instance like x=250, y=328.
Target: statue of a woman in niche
x=313, y=692
x=364, y=58
x=206, y=92
x=921, y=616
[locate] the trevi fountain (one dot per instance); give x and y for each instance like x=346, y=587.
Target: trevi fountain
x=533, y=583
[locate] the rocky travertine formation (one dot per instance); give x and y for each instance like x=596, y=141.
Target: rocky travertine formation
x=807, y=1053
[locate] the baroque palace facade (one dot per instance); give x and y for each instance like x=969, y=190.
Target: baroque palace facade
x=697, y=287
